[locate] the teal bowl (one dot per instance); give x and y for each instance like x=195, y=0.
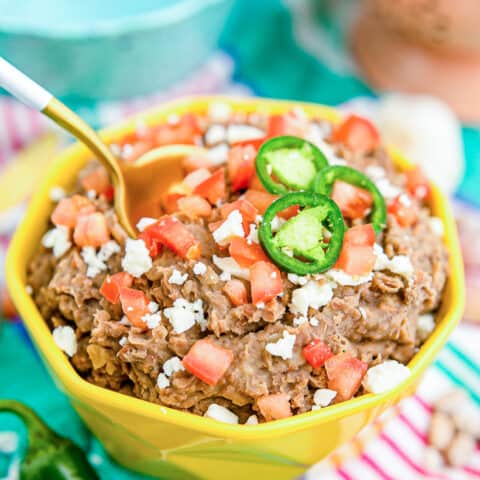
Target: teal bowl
x=93, y=50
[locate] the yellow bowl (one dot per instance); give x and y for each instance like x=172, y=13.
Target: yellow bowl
x=167, y=443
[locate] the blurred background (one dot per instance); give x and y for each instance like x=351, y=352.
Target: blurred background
x=411, y=66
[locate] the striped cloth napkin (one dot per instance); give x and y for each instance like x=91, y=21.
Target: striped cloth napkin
x=392, y=447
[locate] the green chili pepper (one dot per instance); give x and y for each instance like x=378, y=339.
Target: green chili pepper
x=326, y=178
x=49, y=456
x=292, y=160
x=298, y=246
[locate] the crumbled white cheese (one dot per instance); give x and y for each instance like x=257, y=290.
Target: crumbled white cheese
x=184, y=314
x=225, y=277
x=162, y=381
x=385, y=376
x=58, y=239
x=173, y=119
x=260, y=305
x=425, y=326
x=108, y=249
x=314, y=294
x=123, y=341
x=137, y=260
x=297, y=321
x=399, y=264
x=218, y=155
x=215, y=134
x=298, y=279
x=29, y=289
x=314, y=322
x=222, y=414
x=231, y=227
x=277, y=223
x=57, y=193
x=229, y=266
x=127, y=150
x=324, y=396
x=153, y=307
x=152, y=320
x=219, y=112
x=282, y=347
x=379, y=176
x=241, y=133
x=8, y=444
x=362, y=311
x=95, y=264
x=253, y=235
x=172, y=365
x=343, y=278
x=252, y=420
x=436, y=226
x=65, y=339
x=145, y=222
x=258, y=219
x=125, y=321
x=116, y=149
x=315, y=134
x=199, y=268
x=91, y=194
x=176, y=278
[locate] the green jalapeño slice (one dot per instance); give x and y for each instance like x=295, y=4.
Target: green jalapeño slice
x=286, y=164
x=300, y=245
x=328, y=176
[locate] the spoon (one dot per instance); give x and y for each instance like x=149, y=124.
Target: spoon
x=138, y=185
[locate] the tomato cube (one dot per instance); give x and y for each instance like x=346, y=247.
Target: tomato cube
x=241, y=166
x=274, y=406
x=262, y=200
x=404, y=210
x=91, y=230
x=196, y=161
x=286, y=124
x=345, y=374
x=136, y=150
x=68, y=210
x=256, y=184
x=248, y=211
x=246, y=254
x=173, y=234
x=417, y=183
x=185, y=131
x=110, y=288
x=213, y=188
x=173, y=194
x=316, y=353
x=134, y=305
x=357, y=133
x=207, y=361
x=265, y=282
x=154, y=247
x=236, y=292
x=196, y=178
x=354, y=202
x=194, y=206
x=97, y=180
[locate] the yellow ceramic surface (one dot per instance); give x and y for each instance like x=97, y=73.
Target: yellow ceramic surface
x=174, y=445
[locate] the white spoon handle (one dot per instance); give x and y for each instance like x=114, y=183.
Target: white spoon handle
x=23, y=87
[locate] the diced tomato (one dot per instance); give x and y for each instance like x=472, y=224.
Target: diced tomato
x=196, y=178
x=110, y=288
x=207, y=361
x=265, y=282
x=68, y=210
x=404, y=210
x=345, y=374
x=213, y=188
x=196, y=161
x=356, y=256
x=134, y=305
x=246, y=254
x=186, y=131
x=241, y=166
x=357, y=133
x=91, y=230
x=248, y=211
x=173, y=234
x=194, y=206
x=255, y=143
x=316, y=353
x=262, y=200
x=7, y=307
x=154, y=247
x=97, y=180
x=274, y=406
x=417, y=183
x=256, y=184
x=354, y=202
x=109, y=193
x=286, y=124
x=236, y=292
x=136, y=150
x=174, y=192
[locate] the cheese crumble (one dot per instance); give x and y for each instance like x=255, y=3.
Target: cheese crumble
x=282, y=347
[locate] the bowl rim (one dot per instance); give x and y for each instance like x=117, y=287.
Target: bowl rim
x=159, y=17
x=76, y=387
